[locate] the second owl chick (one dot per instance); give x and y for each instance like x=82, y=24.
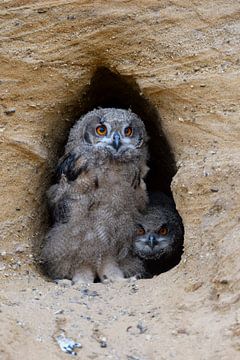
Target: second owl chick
x=158, y=240
x=99, y=195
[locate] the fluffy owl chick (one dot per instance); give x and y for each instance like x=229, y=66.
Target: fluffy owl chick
x=97, y=199
x=158, y=239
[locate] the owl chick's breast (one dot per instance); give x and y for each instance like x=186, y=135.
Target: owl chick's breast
x=117, y=209
x=102, y=206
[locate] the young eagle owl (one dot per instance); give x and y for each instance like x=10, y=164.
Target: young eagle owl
x=158, y=239
x=99, y=195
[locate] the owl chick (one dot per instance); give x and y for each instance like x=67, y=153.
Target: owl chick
x=158, y=239
x=98, y=197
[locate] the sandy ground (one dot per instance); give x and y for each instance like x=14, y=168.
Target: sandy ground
x=144, y=319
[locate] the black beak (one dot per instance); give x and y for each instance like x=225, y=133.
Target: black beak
x=116, y=141
x=152, y=241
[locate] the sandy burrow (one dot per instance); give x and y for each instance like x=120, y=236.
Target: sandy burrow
x=184, y=56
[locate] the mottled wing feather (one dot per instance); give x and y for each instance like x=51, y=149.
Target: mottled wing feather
x=71, y=165
x=60, y=212
x=136, y=180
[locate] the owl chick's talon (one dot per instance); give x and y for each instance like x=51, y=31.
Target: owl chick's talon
x=110, y=271
x=83, y=276
x=133, y=279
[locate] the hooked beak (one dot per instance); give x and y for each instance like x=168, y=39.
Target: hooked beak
x=152, y=241
x=116, y=141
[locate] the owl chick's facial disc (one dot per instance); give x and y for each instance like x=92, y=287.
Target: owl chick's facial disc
x=159, y=231
x=116, y=131
x=151, y=241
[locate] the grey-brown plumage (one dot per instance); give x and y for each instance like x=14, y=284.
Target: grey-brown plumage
x=158, y=239
x=97, y=199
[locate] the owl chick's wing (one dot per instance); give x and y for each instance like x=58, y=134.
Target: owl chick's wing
x=72, y=175
x=71, y=165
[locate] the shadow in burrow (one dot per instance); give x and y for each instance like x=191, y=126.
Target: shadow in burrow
x=110, y=89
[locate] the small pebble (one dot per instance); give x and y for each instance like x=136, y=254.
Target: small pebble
x=20, y=248
x=42, y=11
x=71, y=17
x=132, y=357
x=103, y=342
x=59, y=312
x=134, y=288
x=67, y=345
x=2, y=267
x=16, y=265
x=9, y=111
x=20, y=323
x=141, y=327
x=64, y=283
x=87, y=292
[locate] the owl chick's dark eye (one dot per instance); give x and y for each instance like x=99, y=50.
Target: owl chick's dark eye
x=101, y=130
x=140, y=231
x=128, y=131
x=163, y=230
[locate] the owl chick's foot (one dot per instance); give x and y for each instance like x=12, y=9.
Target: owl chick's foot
x=84, y=275
x=134, y=278
x=110, y=272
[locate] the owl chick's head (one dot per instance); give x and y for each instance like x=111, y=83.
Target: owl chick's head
x=117, y=132
x=158, y=233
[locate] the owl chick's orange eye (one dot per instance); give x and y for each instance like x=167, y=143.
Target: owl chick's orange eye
x=101, y=130
x=140, y=231
x=163, y=231
x=128, y=131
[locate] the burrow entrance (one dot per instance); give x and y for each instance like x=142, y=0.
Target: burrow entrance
x=110, y=89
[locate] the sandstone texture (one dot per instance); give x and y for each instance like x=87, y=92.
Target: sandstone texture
x=182, y=58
